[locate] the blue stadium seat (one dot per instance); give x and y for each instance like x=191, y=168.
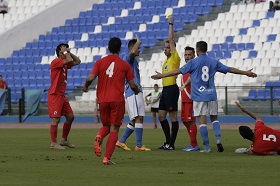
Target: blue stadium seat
x=252, y=54
x=241, y=46
x=129, y=5
x=224, y=47
x=256, y=23
x=189, y=3
x=193, y=18
x=41, y=38
x=229, y=39
x=269, y=14
x=232, y=47
x=216, y=47
x=9, y=68
x=199, y=10
x=211, y=54
x=219, y=55
x=243, y=31
x=269, y=84
x=40, y=83
x=276, y=94
x=32, y=82
x=251, y=95
x=149, y=27
x=219, y=2
x=206, y=10
x=15, y=53
x=47, y=83
x=77, y=82
x=90, y=65
x=250, y=46
x=25, y=83
x=89, y=21
x=271, y=37
x=68, y=22
x=227, y=54
x=29, y=61
x=81, y=15
x=203, y=3
x=191, y=10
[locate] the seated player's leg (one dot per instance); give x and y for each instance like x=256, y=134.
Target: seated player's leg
x=55, y=104
x=213, y=111
x=132, y=113
x=200, y=111
x=68, y=113
x=116, y=117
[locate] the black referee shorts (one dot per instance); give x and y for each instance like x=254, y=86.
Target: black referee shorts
x=169, y=98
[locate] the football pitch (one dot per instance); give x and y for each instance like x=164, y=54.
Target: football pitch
x=25, y=159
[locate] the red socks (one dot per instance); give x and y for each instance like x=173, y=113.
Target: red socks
x=66, y=130
x=111, y=144
x=192, y=130
x=53, y=132
x=104, y=131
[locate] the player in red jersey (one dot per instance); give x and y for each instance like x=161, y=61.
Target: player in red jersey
x=3, y=84
x=58, y=105
x=187, y=104
x=112, y=72
x=266, y=141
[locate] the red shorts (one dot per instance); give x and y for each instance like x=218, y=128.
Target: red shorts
x=58, y=106
x=112, y=113
x=187, y=112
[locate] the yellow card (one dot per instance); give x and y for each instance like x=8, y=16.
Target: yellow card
x=168, y=14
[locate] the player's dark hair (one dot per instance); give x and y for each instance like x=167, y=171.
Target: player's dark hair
x=167, y=41
x=1, y=75
x=155, y=85
x=58, y=48
x=190, y=48
x=246, y=133
x=131, y=43
x=114, y=45
x=202, y=46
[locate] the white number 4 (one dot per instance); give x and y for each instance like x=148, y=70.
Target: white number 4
x=269, y=138
x=110, y=69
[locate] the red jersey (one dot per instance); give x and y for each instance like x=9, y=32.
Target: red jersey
x=112, y=72
x=266, y=139
x=59, y=76
x=186, y=92
x=3, y=85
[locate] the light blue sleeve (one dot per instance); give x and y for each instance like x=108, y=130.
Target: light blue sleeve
x=222, y=68
x=186, y=68
x=128, y=59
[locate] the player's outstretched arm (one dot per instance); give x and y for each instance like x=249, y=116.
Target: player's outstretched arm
x=168, y=74
x=248, y=73
x=171, y=34
x=134, y=87
x=133, y=51
x=88, y=82
x=253, y=115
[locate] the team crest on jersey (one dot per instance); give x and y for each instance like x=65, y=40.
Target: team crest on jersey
x=166, y=67
x=55, y=112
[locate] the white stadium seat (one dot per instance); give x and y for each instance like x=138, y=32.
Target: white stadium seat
x=137, y=5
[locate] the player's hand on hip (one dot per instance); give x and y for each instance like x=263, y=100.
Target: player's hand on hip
x=157, y=76
x=251, y=74
x=181, y=88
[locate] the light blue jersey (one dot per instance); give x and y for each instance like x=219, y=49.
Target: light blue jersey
x=135, y=68
x=203, y=70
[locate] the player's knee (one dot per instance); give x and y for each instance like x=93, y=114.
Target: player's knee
x=55, y=121
x=70, y=118
x=139, y=119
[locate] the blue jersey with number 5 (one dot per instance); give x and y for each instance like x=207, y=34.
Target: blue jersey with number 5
x=203, y=70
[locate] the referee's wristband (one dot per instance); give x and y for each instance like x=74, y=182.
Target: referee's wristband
x=170, y=23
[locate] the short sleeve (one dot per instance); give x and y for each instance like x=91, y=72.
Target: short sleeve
x=57, y=63
x=222, y=68
x=186, y=68
x=95, y=68
x=128, y=59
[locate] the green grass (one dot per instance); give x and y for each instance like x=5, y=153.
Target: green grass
x=25, y=158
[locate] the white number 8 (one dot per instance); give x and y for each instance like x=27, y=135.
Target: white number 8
x=270, y=137
x=110, y=69
x=205, y=73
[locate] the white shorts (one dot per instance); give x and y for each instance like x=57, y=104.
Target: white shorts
x=135, y=105
x=205, y=108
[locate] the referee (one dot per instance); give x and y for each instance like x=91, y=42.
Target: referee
x=170, y=93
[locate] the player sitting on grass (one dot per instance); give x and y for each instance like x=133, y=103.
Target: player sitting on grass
x=265, y=140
